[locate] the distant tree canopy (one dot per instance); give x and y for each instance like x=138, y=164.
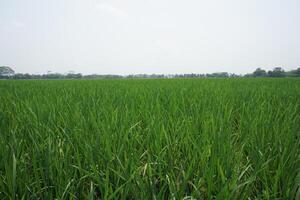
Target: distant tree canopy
x=6, y=71
x=218, y=74
x=259, y=73
x=295, y=72
x=277, y=72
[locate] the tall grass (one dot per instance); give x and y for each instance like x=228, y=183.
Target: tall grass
x=150, y=139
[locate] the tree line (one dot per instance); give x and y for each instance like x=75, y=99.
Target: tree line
x=8, y=73
x=276, y=72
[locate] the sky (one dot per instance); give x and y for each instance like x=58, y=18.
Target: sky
x=149, y=36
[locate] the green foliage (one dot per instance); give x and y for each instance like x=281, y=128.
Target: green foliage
x=150, y=139
x=218, y=75
x=295, y=73
x=259, y=73
x=277, y=72
x=5, y=70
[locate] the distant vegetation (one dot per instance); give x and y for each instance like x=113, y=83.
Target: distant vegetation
x=8, y=73
x=276, y=72
x=226, y=139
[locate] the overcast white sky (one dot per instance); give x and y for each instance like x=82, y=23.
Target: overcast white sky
x=149, y=36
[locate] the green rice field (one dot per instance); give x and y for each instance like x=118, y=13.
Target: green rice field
x=234, y=138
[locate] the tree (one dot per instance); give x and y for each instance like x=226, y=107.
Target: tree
x=297, y=72
x=73, y=76
x=259, y=73
x=6, y=71
x=53, y=76
x=218, y=75
x=277, y=72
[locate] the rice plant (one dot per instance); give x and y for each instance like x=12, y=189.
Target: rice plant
x=150, y=139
